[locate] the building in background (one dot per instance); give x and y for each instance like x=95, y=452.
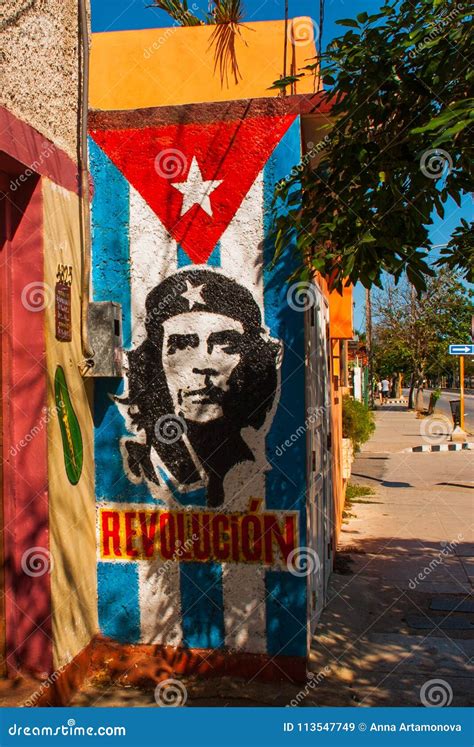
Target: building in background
x=358, y=361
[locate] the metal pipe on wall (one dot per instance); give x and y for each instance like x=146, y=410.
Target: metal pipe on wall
x=85, y=232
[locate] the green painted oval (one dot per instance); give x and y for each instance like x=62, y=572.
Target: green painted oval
x=70, y=430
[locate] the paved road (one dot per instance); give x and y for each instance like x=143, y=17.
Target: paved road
x=443, y=406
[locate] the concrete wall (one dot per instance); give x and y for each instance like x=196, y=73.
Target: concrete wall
x=39, y=62
x=200, y=511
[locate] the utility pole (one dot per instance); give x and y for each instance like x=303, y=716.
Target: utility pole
x=461, y=391
x=411, y=394
x=368, y=325
x=285, y=47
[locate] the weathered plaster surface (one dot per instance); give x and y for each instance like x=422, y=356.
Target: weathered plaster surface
x=39, y=64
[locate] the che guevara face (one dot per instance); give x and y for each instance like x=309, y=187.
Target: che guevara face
x=200, y=352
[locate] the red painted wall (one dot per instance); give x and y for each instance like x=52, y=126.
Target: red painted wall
x=27, y=592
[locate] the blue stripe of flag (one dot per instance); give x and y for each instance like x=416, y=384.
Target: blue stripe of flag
x=119, y=608
x=111, y=282
x=285, y=486
x=202, y=605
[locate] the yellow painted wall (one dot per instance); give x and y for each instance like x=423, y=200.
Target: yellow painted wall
x=159, y=67
x=71, y=507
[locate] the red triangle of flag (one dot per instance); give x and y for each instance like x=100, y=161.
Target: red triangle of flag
x=194, y=176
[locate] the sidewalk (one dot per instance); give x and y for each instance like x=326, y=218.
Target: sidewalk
x=401, y=430
x=399, y=614
x=397, y=429
x=402, y=616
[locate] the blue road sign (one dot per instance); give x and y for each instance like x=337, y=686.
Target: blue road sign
x=461, y=350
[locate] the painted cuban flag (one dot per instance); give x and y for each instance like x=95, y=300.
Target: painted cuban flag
x=201, y=513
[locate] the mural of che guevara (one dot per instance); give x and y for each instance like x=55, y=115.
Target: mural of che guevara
x=206, y=370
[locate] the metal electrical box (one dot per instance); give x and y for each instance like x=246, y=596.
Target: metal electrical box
x=105, y=337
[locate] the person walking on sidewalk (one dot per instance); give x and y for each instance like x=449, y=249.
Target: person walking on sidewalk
x=385, y=389
x=378, y=387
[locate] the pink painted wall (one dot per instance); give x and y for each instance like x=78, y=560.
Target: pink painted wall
x=27, y=599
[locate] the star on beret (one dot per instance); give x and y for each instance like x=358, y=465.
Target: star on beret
x=192, y=294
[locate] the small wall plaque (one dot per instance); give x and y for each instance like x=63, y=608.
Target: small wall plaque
x=62, y=303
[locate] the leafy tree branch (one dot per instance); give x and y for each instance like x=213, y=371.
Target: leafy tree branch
x=399, y=82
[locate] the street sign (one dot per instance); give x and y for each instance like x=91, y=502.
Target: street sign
x=461, y=350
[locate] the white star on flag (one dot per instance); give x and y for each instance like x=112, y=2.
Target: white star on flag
x=196, y=190
x=193, y=294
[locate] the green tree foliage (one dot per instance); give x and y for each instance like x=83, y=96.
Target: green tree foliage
x=397, y=148
x=220, y=11
x=357, y=421
x=411, y=332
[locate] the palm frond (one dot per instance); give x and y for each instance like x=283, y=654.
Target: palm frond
x=179, y=11
x=227, y=15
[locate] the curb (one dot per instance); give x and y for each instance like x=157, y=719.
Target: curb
x=391, y=402
x=441, y=447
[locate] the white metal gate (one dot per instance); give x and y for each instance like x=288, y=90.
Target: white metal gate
x=318, y=413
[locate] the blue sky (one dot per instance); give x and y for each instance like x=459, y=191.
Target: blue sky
x=115, y=15
x=112, y=15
